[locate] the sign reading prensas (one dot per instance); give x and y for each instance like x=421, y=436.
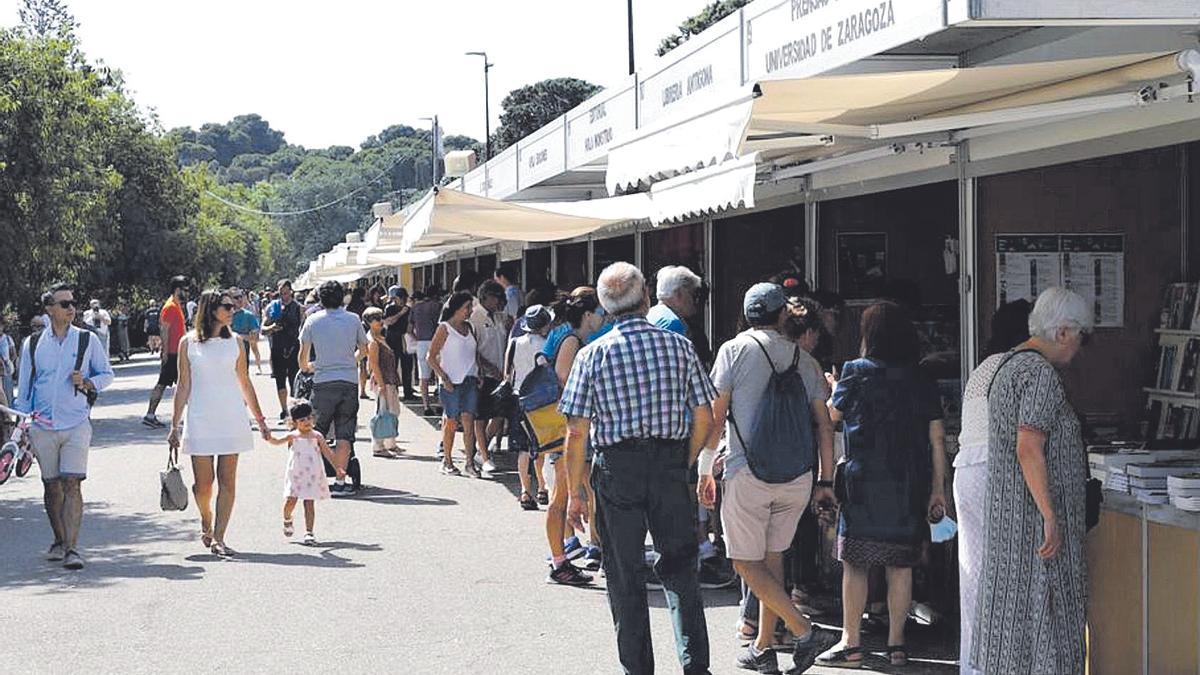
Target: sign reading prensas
x=799, y=38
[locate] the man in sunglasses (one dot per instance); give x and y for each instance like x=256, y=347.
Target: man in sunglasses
x=64, y=367
x=247, y=325
x=172, y=326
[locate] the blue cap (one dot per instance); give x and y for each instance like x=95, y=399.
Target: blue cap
x=762, y=299
x=536, y=318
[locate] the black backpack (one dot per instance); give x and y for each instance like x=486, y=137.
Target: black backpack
x=80, y=351
x=783, y=446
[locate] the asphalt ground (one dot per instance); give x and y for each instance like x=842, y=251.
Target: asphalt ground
x=420, y=573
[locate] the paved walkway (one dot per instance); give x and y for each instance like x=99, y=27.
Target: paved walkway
x=420, y=573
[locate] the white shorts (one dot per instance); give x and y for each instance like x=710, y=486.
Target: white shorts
x=62, y=454
x=760, y=518
x=424, y=370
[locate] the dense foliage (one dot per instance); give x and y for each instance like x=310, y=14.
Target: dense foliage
x=533, y=106
x=694, y=25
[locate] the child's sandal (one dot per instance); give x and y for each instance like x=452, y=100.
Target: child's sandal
x=288, y=527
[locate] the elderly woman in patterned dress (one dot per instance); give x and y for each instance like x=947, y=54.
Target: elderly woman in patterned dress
x=1032, y=603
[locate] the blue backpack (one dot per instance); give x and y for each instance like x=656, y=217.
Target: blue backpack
x=783, y=444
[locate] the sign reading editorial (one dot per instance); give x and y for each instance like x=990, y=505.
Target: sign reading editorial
x=593, y=126
x=1092, y=265
x=799, y=38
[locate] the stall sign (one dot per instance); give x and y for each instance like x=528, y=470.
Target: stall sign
x=501, y=179
x=593, y=126
x=474, y=182
x=542, y=155
x=699, y=71
x=801, y=38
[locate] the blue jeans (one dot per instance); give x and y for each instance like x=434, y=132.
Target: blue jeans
x=643, y=484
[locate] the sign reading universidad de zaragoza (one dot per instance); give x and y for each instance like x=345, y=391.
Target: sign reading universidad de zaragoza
x=800, y=38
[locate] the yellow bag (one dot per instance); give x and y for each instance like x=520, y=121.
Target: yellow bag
x=547, y=428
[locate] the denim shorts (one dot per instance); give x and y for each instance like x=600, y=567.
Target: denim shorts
x=463, y=400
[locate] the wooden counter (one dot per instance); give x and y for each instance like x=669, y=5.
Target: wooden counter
x=1144, y=590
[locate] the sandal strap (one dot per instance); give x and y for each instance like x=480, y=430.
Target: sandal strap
x=892, y=649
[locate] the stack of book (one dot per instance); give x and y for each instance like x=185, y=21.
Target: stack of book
x=1179, y=308
x=1148, y=480
x=1109, y=463
x=1184, y=491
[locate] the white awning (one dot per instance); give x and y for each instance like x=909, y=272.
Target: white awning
x=798, y=117
x=446, y=219
x=729, y=185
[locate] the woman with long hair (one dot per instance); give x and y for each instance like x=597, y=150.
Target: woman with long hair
x=453, y=356
x=893, y=478
x=581, y=315
x=212, y=370
x=381, y=362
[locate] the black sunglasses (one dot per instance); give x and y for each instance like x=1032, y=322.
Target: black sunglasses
x=1084, y=338
x=67, y=304
x=229, y=306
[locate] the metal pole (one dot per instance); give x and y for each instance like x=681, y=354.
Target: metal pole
x=433, y=151
x=629, y=8
x=487, y=116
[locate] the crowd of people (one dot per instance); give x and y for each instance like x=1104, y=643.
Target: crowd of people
x=730, y=462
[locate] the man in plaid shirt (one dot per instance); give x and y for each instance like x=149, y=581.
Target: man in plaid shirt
x=645, y=399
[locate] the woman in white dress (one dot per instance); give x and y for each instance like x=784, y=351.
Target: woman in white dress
x=214, y=388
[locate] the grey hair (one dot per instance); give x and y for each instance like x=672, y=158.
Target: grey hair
x=621, y=288
x=675, y=279
x=1057, y=308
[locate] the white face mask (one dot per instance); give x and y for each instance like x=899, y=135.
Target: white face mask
x=943, y=530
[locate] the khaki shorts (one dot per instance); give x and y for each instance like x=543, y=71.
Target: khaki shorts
x=62, y=454
x=760, y=518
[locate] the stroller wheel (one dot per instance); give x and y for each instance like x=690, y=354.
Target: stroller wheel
x=6, y=464
x=24, y=464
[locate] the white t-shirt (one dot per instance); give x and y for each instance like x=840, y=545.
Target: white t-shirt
x=491, y=333
x=98, y=319
x=525, y=350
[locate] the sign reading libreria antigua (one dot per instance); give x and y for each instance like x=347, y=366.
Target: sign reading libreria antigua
x=798, y=38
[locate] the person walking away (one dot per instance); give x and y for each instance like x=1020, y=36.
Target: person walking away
x=396, y=316
x=1010, y=327
x=519, y=360
x=582, y=314
x=173, y=324
x=1032, y=602
x=8, y=360
x=453, y=356
x=512, y=292
x=356, y=306
x=641, y=396
x=246, y=326
x=490, y=325
x=150, y=326
x=766, y=491
x=100, y=320
x=210, y=406
x=305, y=475
x=284, y=318
x=894, y=475
x=60, y=371
x=677, y=287
x=422, y=325
x=381, y=362
x=338, y=338
x=122, y=330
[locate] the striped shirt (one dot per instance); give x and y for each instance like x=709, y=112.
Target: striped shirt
x=636, y=382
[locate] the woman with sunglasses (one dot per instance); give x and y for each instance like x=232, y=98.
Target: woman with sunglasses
x=214, y=391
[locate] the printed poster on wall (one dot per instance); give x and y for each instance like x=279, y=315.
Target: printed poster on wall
x=1092, y=265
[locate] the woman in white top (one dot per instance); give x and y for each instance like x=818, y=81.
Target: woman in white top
x=453, y=355
x=1010, y=327
x=519, y=361
x=214, y=389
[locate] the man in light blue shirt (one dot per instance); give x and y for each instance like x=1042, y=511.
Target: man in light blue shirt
x=676, y=290
x=57, y=395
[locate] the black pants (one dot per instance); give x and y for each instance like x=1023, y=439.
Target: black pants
x=639, y=485
x=408, y=362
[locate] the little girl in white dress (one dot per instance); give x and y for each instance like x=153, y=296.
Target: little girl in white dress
x=305, y=477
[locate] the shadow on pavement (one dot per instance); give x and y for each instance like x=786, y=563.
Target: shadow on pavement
x=322, y=556
x=113, y=546
x=382, y=495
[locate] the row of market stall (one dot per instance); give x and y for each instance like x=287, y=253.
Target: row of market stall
x=1059, y=152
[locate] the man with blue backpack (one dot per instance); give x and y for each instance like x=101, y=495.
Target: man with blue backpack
x=771, y=406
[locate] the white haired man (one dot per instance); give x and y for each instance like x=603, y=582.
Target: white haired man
x=676, y=289
x=647, y=432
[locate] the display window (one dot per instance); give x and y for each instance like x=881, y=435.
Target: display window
x=572, y=265
x=614, y=249
x=748, y=249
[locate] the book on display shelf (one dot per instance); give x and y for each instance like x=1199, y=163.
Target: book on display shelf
x=1161, y=469
x=1179, y=307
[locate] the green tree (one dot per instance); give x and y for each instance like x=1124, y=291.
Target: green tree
x=694, y=25
x=531, y=107
x=46, y=18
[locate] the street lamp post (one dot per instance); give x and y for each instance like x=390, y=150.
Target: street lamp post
x=487, y=117
x=629, y=15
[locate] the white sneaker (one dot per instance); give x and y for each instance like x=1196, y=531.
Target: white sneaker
x=488, y=466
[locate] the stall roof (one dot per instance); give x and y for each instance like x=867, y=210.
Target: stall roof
x=449, y=219
x=798, y=117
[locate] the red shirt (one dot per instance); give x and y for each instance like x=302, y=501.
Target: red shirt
x=171, y=318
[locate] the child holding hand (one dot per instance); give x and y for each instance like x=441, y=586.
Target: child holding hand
x=305, y=477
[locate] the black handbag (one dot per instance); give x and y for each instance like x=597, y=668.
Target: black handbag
x=504, y=400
